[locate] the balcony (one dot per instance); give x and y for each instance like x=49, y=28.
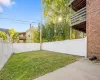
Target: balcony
x=22, y=38
x=77, y=4
x=78, y=19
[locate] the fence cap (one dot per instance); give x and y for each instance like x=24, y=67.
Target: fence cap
x=5, y=41
x=1, y=40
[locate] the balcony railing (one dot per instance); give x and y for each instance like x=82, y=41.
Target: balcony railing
x=78, y=17
x=22, y=38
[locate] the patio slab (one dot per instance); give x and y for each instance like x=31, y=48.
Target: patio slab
x=80, y=70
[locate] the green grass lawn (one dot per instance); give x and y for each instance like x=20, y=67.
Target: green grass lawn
x=30, y=65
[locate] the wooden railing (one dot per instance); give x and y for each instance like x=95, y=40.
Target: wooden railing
x=22, y=38
x=78, y=17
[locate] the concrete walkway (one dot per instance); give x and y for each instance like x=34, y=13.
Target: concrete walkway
x=80, y=70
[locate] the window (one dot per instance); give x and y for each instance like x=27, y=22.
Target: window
x=28, y=35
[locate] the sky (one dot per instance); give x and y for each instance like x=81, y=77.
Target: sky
x=24, y=10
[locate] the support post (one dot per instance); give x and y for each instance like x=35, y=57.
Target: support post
x=41, y=29
x=70, y=25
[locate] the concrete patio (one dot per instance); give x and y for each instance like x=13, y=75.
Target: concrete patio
x=80, y=70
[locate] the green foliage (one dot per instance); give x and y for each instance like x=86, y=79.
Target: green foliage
x=55, y=8
x=36, y=34
x=14, y=35
x=3, y=35
x=30, y=65
x=73, y=34
x=55, y=30
x=11, y=32
x=48, y=32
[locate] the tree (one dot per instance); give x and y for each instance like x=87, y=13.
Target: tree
x=36, y=35
x=3, y=35
x=13, y=35
x=11, y=32
x=53, y=9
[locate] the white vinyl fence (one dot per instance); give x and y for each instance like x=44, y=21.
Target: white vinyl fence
x=74, y=47
x=25, y=47
x=5, y=52
x=6, y=49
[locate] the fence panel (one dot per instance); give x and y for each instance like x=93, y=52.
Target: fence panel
x=25, y=47
x=74, y=47
x=5, y=52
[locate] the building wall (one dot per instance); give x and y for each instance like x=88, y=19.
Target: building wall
x=93, y=27
x=30, y=35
